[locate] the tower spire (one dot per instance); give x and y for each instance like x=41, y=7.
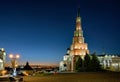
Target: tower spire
x=78, y=20
x=78, y=12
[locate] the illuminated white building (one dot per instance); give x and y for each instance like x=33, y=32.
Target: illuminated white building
x=2, y=58
x=77, y=48
x=110, y=62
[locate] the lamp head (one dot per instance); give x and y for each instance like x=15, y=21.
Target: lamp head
x=11, y=56
x=17, y=56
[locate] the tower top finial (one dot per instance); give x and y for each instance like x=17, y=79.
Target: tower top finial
x=78, y=18
x=78, y=12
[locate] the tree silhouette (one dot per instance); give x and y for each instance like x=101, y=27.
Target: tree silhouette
x=87, y=62
x=95, y=63
x=90, y=63
x=79, y=64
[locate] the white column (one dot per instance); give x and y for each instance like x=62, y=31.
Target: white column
x=72, y=64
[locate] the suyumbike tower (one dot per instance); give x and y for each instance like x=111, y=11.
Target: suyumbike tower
x=77, y=48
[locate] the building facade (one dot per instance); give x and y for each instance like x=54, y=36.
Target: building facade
x=77, y=48
x=2, y=58
x=110, y=62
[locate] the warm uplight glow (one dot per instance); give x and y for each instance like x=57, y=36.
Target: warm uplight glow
x=10, y=56
x=3, y=72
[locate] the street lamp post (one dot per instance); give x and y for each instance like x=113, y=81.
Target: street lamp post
x=14, y=62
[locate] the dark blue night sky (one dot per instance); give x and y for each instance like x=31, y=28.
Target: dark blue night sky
x=41, y=30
